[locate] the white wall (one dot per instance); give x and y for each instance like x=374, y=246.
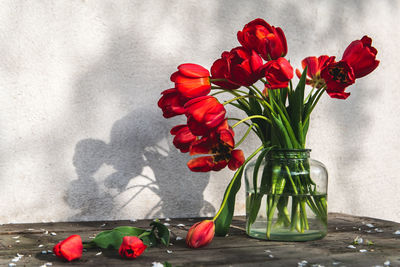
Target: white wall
x=81, y=137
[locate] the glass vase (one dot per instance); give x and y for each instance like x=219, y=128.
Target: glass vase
x=286, y=196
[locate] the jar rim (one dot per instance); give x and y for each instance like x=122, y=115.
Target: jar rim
x=291, y=150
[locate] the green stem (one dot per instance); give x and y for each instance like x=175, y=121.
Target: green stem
x=223, y=90
x=249, y=118
x=240, y=97
x=88, y=245
x=258, y=90
x=218, y=80
x=245, y=136
x=314, y=104
x=236, y=119
x=231, y=184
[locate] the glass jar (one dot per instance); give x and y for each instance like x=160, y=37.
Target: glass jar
x=286, y=196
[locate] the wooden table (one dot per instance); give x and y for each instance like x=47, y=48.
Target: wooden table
x=34, y=240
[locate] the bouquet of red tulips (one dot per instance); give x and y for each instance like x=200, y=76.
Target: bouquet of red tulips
x=277, y=112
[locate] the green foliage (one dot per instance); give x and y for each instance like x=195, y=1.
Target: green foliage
x=112, y=239
x=224, y=216
x=161, y=232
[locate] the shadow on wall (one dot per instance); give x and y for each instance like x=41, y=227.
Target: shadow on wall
x=138, y=173
x=113, y=176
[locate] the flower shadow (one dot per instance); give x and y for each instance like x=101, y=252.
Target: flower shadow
x=137, y=174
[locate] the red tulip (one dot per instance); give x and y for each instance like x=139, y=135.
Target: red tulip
x=337, y=76
x=266, y=40
x=278, y=73
x=314, y=67
x=240, y=66
x=200, y=234
x=361, y=56
x=172, y=103
x=192, y=80
x=70, y=248
x=219, y=145
x=131, y=247
x=221, y=70
x=204, y=113
x=183, y=137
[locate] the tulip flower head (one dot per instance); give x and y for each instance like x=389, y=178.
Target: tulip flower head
x=361, y=57
x=70, y=248
x=172, y=103
x=219, y=146
x=183, y=137
x=200, y=234
x=203, y=114
x=278, y=73
x=240, y=67
x=131, y=247
x=266, y=40
x=338, y=76
x=314, y=67
x=192, y=80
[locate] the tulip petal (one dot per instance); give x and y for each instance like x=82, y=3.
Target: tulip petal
x=237, y=159
x=193, y=70
x=202, y=146
x=206, y=164
x=183, y=138
x=201, y=164
x=192, y=87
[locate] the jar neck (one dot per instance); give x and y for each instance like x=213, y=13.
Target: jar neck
x=289, y=154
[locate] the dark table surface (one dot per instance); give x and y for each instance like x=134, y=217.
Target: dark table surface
x=380, y=245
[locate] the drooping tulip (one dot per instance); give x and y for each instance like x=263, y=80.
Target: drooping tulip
x=204, y=113
x=218, y=145
x=192, y=80
x=172, y=103
x=183, y=137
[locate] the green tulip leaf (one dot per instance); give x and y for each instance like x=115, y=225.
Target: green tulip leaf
x=149, y=238
x=113, y=238
x=224, y=216
x=162, y=232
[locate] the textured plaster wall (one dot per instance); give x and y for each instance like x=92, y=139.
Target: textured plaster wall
x=81, y=137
